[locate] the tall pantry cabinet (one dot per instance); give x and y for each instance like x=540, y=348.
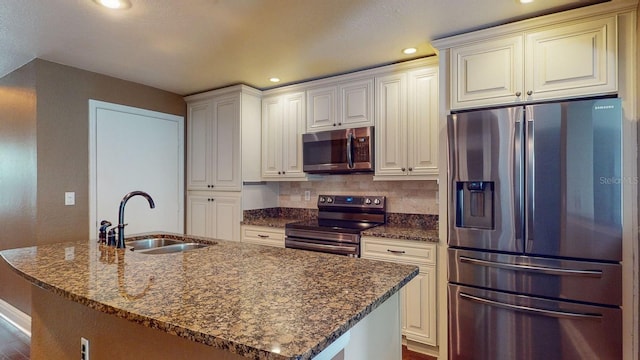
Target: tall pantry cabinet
x=217, y=122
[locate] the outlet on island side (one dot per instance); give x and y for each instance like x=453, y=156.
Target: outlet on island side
x=84, y=349
x=307, y=195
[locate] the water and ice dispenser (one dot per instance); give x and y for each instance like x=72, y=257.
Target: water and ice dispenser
x=474, y=204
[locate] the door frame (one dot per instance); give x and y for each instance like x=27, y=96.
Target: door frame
x=94, y=106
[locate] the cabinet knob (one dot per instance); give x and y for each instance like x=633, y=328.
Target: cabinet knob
x=403, y=169
x=410, y=169
x=283, y=173
x=334, y=124
x=518, y=93
x=339, y=123
x=279, y=172
x=529, y=92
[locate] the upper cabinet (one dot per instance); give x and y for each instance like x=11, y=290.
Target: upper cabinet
x=340, y=105
x=407, y=124
x=565, y=60
x=283, y=123
x=216, y=123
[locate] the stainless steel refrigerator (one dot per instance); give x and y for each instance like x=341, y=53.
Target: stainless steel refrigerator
x=535, y=232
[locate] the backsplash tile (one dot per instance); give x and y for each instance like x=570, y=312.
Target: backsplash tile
x=407, y=197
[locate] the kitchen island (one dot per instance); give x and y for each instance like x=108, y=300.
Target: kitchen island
x=226, y=301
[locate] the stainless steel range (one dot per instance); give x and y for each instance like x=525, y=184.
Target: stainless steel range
x=341, y=219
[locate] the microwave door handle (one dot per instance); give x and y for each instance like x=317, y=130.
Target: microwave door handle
x=350, y=150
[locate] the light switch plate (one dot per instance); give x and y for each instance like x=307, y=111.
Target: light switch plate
x=69, y=198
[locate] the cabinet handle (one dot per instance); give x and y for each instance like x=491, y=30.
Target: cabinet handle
x=518, y=93
x=263, y=236
x=529, y=92
x=396, y=251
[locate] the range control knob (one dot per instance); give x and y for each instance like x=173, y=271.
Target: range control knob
x=367, y=201
x=322, y=199
x=376, y=201
x=329, y=200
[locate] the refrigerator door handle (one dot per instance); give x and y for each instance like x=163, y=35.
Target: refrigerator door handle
x=530, y=178
x=532, y=268
x=518, y=176
x=531, y=310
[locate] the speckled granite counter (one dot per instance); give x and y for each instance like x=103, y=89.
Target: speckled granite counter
x=404, y=232
x=240, y=297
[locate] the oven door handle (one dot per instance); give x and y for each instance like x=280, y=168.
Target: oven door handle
x=335, y=249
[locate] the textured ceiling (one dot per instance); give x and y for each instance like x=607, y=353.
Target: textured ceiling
x=195, y=45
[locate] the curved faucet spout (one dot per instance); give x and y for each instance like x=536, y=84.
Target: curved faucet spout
x=121, y=223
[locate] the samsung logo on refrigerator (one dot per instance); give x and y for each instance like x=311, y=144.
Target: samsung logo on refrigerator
x=603, y=107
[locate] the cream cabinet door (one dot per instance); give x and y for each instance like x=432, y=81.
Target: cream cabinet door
x=487, y=73
x=199, y=156
x=419, y=307
x=214, y=215
x=213, y=144
x=272, y=134
x=321, y=109
x=225, y=147
x=283, y=123
x=356, y=103
x=422, y=129
x=199, y=213
x=294, y=125
x=572, y=60
x=391, y=124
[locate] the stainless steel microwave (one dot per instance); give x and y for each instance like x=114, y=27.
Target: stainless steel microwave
x=338, y=151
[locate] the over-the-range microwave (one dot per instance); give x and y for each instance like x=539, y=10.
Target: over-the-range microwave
x=338, y=151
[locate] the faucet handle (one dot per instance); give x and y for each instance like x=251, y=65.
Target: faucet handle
x=102, y=237
x=111, y=237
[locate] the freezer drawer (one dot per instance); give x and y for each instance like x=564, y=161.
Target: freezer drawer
x=593, y=282
x=492, y=325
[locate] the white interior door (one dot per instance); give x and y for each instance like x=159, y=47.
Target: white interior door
x=134, y=149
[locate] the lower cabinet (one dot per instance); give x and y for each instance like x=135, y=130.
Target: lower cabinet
x=214, y=215
x=418, y=297
x=263, y=235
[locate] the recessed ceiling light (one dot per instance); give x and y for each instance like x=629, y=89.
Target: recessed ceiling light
x=525, y=1
x=274, y=79
x=114, y=4
x=409, y=51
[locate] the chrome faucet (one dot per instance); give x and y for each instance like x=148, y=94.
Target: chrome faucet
x=121, y=223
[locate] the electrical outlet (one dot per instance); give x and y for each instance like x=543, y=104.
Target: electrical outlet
x=307, y=195
x=69, y=198
x=84, y=349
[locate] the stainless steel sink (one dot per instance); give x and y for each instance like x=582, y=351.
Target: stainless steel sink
x=144, y=244
x=173, y=248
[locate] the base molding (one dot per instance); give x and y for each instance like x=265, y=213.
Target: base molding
x=421, y=348
x=16, y=317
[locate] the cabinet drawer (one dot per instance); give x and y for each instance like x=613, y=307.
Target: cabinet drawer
x=412, y=252
x=263, y=236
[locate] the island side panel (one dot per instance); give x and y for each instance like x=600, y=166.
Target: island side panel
x=379, y=335
x=58, y=324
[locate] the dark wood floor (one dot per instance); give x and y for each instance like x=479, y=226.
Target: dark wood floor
x=14, y=345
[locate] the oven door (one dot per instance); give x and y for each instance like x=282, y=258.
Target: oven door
x=338, y=248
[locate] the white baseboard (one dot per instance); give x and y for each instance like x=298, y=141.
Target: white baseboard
x=16, y=317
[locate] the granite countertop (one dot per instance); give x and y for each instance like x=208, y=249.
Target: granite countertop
x=404, y=232
x=249, y=299
x=274, y=222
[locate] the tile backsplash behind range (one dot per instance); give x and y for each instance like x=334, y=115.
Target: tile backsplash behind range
x=407, y=196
